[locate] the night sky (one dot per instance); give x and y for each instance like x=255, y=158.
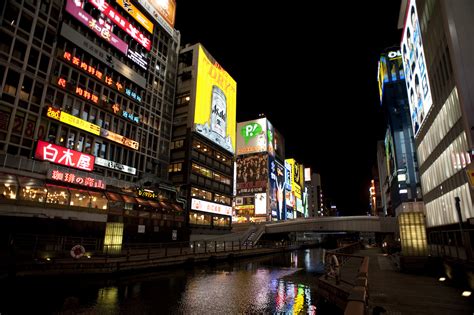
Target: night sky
x=324, y=100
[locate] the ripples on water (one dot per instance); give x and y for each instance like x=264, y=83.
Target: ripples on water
x=283, y=283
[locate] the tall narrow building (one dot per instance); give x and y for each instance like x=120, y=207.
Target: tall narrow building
x=203, y=142
x=86, y=104
x=399, y=180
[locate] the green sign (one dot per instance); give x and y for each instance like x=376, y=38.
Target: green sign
x=250, y=130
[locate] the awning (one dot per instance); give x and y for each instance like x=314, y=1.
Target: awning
x=113, y=196
x=129, y=199
x=142, y=202
x=177, y=207
x=165, y=205
x=154, y=204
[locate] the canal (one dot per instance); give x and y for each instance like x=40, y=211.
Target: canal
x=279, y=283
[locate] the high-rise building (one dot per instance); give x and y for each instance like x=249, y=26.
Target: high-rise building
x=260, y=190
x=400, y=168
x=87, y=95
x=203, y=141
x=315, y=194
x=438, y=58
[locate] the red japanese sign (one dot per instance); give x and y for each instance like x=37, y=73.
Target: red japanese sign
x=60, y=155
x=76, y=178
x=131, y=30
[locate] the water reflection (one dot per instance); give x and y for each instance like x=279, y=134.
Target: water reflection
x=283, y=283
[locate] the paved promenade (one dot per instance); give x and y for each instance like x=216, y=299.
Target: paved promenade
x=406, y=294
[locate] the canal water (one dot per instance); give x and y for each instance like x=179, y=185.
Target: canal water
x=282, y=283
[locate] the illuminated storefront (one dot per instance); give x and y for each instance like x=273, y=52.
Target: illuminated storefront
x=88, y=128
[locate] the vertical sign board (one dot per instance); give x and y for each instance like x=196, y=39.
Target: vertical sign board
x=416, y=72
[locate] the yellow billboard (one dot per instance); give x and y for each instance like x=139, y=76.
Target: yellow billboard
x=215, y=103
x=295, y=177
x=79, y=123
x=136, y=14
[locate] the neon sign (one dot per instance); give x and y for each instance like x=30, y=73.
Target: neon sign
x=102, y=29
x=60, y=155
x=90, y=127
x=76, y=177
x=119, y=86
x=131, y=30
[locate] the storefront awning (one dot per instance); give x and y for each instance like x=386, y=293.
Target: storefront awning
x=129, y=199
x=114, y=197
x=143, y=202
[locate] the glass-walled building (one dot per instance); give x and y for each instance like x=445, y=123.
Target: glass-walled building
x=203, y=141
x=87, y=95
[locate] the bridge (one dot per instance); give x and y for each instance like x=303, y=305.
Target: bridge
x=251, y=232
x=335, y=224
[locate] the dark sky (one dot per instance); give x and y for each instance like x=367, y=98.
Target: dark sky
x=311, y=67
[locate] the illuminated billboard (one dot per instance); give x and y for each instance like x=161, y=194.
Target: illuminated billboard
x=252, y=174
x=101, y=28
x=416, y=72
x=390, y=69
x=162, y=10
x=261, y=204
x=136, y=14
x=117, y=18
x=60, y=155
x=307, y=174
x=201, y=205
x=295, y=177
x=252, y=136
x=215, y=103
x=277, y=188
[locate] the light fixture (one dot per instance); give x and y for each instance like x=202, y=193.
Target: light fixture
x=466, y=293
x=442, y=279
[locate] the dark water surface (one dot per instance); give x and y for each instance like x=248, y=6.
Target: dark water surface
x=280, y=283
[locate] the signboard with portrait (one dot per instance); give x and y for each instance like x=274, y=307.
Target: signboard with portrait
x=416, y=72
x=252, y=174
x=277, y=188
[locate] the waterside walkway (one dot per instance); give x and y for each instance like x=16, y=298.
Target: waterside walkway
x=400, y=293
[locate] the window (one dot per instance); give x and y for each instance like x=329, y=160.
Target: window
x=201, y=193
x=199, y=219
x=98, y=200
x=57, y=195
x=175, y=167
x=80, y=198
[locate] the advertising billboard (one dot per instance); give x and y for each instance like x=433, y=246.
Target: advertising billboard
x=201, y=205
x=136, y=14
x=101, y=28
x=117, y=18
x=252, y=174
x=416, y=72
x=390, y=70
x=252, y=136
x=163, y=11
x=277, y=188
x=261, y=204
x=93, y=49
x=60, y=155
x=215, y=104
x=115, y=166
x=279, y=144
x=295, y=177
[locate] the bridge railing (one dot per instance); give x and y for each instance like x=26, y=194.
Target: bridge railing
x=452, y=243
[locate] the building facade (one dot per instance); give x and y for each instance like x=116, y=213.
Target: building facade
x=260, y=176
x=438, y=55
x=87, y=95
x=203, y=141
